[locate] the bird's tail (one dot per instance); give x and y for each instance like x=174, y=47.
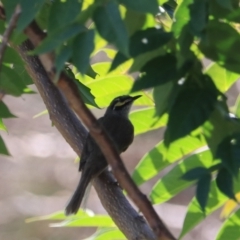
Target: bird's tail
x=77, y=198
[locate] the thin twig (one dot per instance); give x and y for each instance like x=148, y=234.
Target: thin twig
x=69, y=89
x=9, y=30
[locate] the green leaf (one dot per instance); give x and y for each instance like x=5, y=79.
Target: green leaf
x=11, y=56
x=198, y=16
x=228, y=151
x=220, y=43
x=4, y=111
x=144, y=120
x=57, y=38
x=60, y=215
x=2, y=125
x=225, y=4
x=141, y=42
x=141, y=5
x=230, y=228
x=234, y=16
x=185, y=42
x=44, y=112
x=161, y=96
x=3, y=148
x=154, y=75
x=160, y=157
x=203, y=187
x=219, y=126
x=85, y=91
x=11, y=82
x=87, y=221
x=225, y=182
x=182, y=16
x=236, y=108
x=63, y=13
x=139, y=20
x=110, y=25
x=192, y=108
x=86, y=94
x=107, y=234
x=82, y=48
x=173, y=183
x=194, y=212
x=62, y=56
x=29, y=11
x=101, y=68
x=195, y=173
x=147, y=40
x=222, y=77
x=118, y=60
x=42, y=16
x=108, y=87
x=141, y=60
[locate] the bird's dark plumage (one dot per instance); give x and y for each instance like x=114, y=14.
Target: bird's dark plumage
x=92, y=163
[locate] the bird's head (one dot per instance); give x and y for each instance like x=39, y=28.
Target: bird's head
x=121, y=105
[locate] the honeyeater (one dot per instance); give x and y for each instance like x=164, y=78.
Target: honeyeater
x=120, y=130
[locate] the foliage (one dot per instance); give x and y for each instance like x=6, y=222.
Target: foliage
x=178, y=91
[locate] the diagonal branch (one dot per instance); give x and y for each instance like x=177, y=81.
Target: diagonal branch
x=112, y=198
x=69, y=89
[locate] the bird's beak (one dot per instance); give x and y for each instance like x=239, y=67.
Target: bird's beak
x=136, y=97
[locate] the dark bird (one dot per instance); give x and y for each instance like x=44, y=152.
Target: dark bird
x=120, y=129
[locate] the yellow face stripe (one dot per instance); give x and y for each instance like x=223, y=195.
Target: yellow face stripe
x=119, y=104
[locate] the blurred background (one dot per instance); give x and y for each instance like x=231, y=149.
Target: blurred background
x=41, y=175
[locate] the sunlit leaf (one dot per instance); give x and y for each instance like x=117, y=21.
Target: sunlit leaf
x=194, y=212
x=230, y=228
x=107, y=234
x=230, y=206
x=2, y=125
x=182, y=16
x=60, y=215
x=222, y=78
x=87, y=221
x=161, y=156
x=173, y=182
x=44, y=112
x=144, y=120
x=106, y=88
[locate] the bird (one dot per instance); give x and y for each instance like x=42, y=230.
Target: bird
x=116, y=123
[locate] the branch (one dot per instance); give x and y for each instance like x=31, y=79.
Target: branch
x=69, y=89
x=9, y=30
x=112, y=198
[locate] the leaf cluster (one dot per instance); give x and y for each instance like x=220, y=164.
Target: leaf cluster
x=165, y=50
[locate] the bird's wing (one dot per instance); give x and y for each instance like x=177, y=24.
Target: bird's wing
x=88, y=148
